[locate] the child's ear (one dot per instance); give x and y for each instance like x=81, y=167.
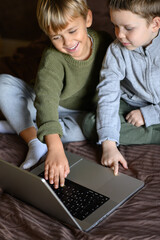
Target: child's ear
x=156, y=24
x=89, y=19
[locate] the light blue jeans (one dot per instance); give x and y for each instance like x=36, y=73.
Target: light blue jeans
x=17, y=105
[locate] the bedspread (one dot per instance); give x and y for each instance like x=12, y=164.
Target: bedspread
x=136, y=219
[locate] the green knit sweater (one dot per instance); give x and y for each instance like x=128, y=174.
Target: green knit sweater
x=70, y=83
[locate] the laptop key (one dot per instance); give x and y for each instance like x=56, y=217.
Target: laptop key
x=79, y=200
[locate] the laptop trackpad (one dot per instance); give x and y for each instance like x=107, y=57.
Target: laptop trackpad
x=101, y=179
x=90, y=174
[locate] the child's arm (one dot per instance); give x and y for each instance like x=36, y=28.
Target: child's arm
x=111, y=156
x=56, y=164
x=135, y=118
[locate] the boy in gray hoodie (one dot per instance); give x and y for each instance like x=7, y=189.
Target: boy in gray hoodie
x=129, y=89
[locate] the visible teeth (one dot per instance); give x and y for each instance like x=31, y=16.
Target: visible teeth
x=73, y=47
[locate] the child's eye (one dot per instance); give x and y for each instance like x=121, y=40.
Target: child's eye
x=129, y=29
x=73, y=31
x=56, y=37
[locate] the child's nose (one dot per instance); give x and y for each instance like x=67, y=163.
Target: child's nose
x=67, y=41
x=120, y=34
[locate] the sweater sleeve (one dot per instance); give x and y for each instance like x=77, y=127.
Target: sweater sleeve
x=151, y=114
x=112, y=72
x=48, y=88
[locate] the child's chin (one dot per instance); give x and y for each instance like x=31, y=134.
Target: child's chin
x=130, y=47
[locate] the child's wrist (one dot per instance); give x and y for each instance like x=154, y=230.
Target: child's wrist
x=108, y=144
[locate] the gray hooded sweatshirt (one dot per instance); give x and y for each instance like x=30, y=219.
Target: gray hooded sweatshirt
x=133, y=76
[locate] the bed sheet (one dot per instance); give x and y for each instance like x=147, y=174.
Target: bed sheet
x=136, y=219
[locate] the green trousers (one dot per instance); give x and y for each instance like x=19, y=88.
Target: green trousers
x=129, y=134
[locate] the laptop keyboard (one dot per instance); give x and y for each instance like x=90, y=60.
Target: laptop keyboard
x=79, y=200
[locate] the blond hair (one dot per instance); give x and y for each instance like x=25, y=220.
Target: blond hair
x=147, y=9
x=56, y=14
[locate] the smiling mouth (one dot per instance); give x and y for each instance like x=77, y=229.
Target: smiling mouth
x=72, y=49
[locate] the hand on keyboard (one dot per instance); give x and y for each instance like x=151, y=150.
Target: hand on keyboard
x=56, y=168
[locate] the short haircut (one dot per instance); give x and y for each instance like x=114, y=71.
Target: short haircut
x=56, y=14
x=147, y=9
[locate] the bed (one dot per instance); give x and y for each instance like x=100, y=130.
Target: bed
x=137, y=219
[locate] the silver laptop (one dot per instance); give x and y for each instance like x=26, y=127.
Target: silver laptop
x=91, y=189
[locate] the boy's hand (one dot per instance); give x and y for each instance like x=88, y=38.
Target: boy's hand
x=135, y=118
x=56, y=164
x=111, y=156
x=56, y=168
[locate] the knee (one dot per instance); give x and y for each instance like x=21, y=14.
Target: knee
x=8, y=85
x=3, y=85
x=5, y=78
x=6, y=88
x=5, y=81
